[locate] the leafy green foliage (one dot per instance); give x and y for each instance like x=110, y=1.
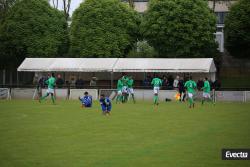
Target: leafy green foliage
x=142, y=49
x=106, y=28
x=180, y=28
x=33, y=29
x=237, y=29
x=5, y=5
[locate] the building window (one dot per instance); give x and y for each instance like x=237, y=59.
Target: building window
x=221, y=17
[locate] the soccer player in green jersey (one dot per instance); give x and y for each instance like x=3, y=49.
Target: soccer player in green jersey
x=119, y=90
x=206, y=91
x=156, y=82
x=125, y=88
x=190, y=85
x=51, y=82
x=130, y=87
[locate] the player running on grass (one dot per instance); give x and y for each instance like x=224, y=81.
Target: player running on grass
x=105, y=104
x=51, y=82
x=190, y=85
x=119, y=90
x=206, y=91
x=130, y=87
x=156, y=82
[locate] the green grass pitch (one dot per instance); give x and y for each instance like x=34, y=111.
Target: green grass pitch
x=135, y=135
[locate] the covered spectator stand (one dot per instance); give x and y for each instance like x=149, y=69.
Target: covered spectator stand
x=108, y=70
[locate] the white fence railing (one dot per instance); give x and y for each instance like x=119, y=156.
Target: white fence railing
x=247, y=96
x=5, y=93
x=230, y=96
x=141, y=94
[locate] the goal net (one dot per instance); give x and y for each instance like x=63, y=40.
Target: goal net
x=4, y=93
x=111, y=93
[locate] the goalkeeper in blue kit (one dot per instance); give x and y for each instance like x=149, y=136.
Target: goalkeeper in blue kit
x=105, y=104
x=86, y=100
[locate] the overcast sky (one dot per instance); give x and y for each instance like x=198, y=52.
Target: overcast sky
x=74, y=4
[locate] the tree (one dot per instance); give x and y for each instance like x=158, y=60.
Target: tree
x=55, y=3
x=32, y=29
x=66, y=7
x=106, y=28
x=142, y=49
x=131, y=3
x=180, y=28
x=237, y=29
x=5, y=5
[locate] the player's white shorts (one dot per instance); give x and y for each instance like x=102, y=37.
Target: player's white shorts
x=156, y=90
x=206, y=95
x=119, y=92
x=124, y=89
x=50, y=90
x=130, y=90
x=190, y=95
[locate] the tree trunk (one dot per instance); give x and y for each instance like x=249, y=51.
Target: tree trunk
x=131, y=3
x=66, y=7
